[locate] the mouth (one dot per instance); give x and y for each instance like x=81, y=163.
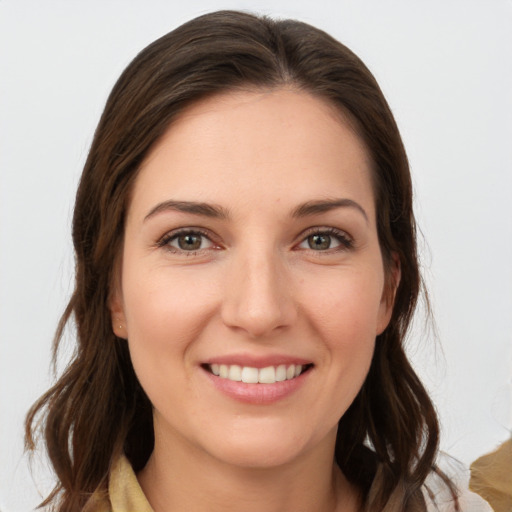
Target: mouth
x=252, y=375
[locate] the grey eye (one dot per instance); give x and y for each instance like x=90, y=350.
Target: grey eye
x=325, y=240
x=319, y=242
x=189, y=242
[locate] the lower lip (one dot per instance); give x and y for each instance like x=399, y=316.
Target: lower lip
x=257, y=393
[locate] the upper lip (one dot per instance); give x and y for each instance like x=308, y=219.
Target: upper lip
x=257, y=361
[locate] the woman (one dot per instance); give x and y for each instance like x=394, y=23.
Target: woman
x=246, y=272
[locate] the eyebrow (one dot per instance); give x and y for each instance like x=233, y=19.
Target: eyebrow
x=218, y=212
x=322, y=206
x=196, y=208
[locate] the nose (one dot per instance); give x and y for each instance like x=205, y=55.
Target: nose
x=258, y=296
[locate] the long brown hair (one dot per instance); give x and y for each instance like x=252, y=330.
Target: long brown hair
x=388, y=439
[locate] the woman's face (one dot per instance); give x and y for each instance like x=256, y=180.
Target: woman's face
x=251, y=253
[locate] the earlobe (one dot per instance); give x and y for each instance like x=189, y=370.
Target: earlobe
x=117, y=315
x=392, y=281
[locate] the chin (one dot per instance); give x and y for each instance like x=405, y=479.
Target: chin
x=258, y=455
x=262, y=447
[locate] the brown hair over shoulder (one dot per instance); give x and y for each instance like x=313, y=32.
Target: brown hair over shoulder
x=388, y=438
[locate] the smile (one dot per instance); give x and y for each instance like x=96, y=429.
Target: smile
x=251, y=375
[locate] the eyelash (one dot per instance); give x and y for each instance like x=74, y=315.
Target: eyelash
x=345, y=241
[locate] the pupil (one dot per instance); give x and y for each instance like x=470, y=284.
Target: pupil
x=189, y=242
x=319, y=241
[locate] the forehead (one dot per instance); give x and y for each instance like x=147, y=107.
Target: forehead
x=264, y=146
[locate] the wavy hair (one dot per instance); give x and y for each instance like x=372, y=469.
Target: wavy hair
x=388, y=439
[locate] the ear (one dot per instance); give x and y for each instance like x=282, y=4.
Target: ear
x=391, y=282
x=116, y=306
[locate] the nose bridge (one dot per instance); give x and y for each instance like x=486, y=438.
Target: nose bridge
x=258, y=295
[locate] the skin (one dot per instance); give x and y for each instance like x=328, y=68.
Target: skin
x=254, y=287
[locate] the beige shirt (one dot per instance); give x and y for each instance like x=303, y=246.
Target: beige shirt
x=126, y=495
x=124, y=492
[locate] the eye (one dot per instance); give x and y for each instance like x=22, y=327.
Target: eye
x=186, y=241
x=326, y=239
x=319, y=242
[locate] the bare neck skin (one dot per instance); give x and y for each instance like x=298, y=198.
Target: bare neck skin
x=179, y=477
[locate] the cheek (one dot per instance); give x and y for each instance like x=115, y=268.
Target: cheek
x=344, y=316
x=165, y=303
x=345, y=305
x=164, y=313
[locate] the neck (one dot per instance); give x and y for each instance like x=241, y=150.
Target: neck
x=185, y=478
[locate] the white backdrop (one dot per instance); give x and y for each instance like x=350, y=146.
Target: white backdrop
x=446, y=69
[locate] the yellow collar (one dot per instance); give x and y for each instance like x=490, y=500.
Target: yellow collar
x=124, y=490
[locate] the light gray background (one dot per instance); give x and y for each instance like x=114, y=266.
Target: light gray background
x=445, y=67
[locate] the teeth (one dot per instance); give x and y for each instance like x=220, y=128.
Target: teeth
x=224, y=371
x=235, y=373
x=267, y=375
x=281, y=373
x=249, y=375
